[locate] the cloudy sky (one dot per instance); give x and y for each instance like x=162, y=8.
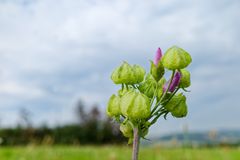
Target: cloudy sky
x=55, y=52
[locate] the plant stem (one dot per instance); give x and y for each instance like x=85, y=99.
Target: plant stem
x=164, y=94
x=166, y=102
x=156, y=118
x=158, y=103
x=136, y=142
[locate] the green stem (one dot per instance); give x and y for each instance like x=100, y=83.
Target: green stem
x=166, y=102
x=134, y=86
x=154, y=94
x=155, y=107
x=156, y=118
x=164, y=94
x=159, y=102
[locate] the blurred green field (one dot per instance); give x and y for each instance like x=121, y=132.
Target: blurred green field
x=114, y=153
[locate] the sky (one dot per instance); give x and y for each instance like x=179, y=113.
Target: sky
x=55, y=52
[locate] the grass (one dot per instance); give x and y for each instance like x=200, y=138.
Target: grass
x=114, y=153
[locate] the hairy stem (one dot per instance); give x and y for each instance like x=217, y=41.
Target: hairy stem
x=136, y=142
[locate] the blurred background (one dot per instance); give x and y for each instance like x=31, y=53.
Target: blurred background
x=56, y=58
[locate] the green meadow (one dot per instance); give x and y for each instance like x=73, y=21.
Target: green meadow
x=114, y=153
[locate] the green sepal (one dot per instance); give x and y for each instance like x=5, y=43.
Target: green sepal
x=157, y=71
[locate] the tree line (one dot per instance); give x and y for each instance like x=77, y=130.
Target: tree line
x=91, y=128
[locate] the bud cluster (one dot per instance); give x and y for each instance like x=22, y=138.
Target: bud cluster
x=143, y=98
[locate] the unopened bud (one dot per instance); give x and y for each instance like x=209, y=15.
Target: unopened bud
x=158, y=56
x=127, y=74
x=185, y=79
x=113, y=108
x=148, y=86
x=176, y=58
x=177, y=106
x=135, y=105
x=174, y=84
x=126, y=129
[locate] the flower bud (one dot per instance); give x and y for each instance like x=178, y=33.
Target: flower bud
x=158, y=56
x=126, y=74
x=123, y=74
x=139, y=73
x=157, y=71
x=135, y=105
x=181, y=110
x=174, y=84
x=148, y=86
x=126, y=129
x=185, y=79
x=113, y=108
x=177, y=106
x=176, y=58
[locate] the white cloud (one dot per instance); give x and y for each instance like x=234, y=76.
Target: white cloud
x=13, y=89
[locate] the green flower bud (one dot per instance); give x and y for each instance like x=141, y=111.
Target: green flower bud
x=148, y=86
x=126, y=74
x=177, y=106
x=176, y=58
x=135, y=105
x=113, y=108
x=157, y=71
x=123, y=74
x=161, y=83
x=185, y=79
x=126, y=129
x=139, y=73
x=181, y=110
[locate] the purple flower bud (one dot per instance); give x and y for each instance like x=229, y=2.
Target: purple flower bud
x=158, y=56
x=174, y=84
